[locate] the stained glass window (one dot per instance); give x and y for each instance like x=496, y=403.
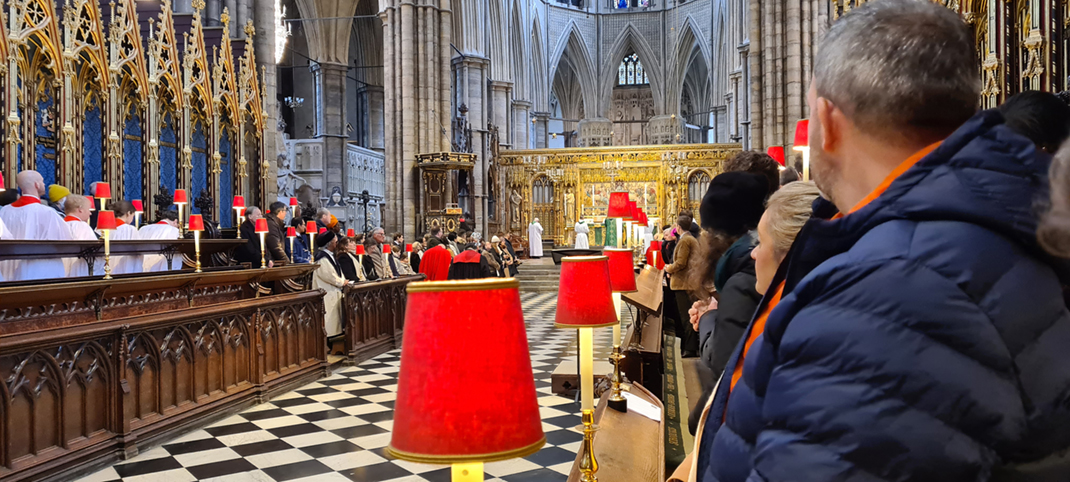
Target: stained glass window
x=93, y=145
x=45, y=132
x=226, y=180
x=168, y=154
x=132, y=156
x=631, y=71
x=200, y=165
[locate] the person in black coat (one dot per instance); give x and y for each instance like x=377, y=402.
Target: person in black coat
x=250, y=251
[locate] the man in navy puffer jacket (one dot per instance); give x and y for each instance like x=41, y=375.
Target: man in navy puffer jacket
x=921, y=335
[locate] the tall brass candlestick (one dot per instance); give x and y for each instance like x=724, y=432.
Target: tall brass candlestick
x=291, y=250
x=263, y=241
x=107, y=253
x=588, y=463
x=197, y=249
x=181, y=223
x=311, y=246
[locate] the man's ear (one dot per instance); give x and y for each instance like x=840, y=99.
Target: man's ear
x=826, y=118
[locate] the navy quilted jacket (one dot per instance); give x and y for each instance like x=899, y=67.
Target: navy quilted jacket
x=922, y=338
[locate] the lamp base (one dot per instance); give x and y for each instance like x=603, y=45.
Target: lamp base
x=619, y=405
x=470, y=472
x=588, y=464
x=616, y=400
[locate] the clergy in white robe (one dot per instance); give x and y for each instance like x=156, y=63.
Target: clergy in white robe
x=124, y=216
x=581, y=235
x=328, y=277
x=28, y=219
x=166, y=228
x=535, y=239
x=77, y=211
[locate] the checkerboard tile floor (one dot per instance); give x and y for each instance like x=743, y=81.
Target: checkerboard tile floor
x=338, y=427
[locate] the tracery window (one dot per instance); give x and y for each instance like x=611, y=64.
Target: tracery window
x=631, y=71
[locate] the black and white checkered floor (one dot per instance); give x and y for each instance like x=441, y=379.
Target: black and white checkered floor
x=337, y=428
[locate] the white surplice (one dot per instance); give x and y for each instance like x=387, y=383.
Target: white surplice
x=33, y=222
x=130, y=263
x=581, y=236
x=81, y=231
x=157, y=262
x=535, y=239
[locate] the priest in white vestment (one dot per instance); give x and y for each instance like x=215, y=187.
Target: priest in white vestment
x=535, y=239
x=124, y=216
x=328, y=277
x=28, y=219
x=77, y=210
x=166, y=228
x=581, y=235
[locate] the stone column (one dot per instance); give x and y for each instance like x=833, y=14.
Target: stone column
x=472, y=87
x=665, y=129
x=521, y=124
x=596, y=132
x=500, y=93
x=264, y=45
x=542, y=129
x=331, y=122
x=372, y=98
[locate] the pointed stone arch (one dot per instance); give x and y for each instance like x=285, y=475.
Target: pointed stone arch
x=498, y=21
x=540, y=91
x=571, y=51
x=519, y=53
x=629, y=40
x=690, y=69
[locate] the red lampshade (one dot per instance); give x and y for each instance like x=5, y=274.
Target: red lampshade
x=322, y=230
x=180, y=196
x=386, y=249
x=777, y=153
x=293, y=201
x=196, y=222
x=310, y=227
x=634, y=211
x=440, y=416
x=291, y=232
x=360, y=249
x=621, y=270
x=802, y=135
x=106, y=220
x=618, y=205
x=138, y=206
x=261, y=225
x=103, y=190
x=239, y=202
x=350, y=233
x=2, y=182
x=92, y=203
x=408, y=247
x=583, y=295
x=461, y=220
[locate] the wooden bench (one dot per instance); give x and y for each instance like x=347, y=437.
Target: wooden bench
x=629, y=447
x=643, y=360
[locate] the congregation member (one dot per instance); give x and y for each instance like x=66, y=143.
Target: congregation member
x=250, y=251
x=493, y=251
x=413, y=258
x=581, y=235
x=77, y=218
x=685, y=259
x=1040, y=116
x=328, y=277
x=346, y=255
x=486, y=250
x=756, y=162
x=57, y=198
x=375, y=260
x=470, y=264
x=789, y=175
x=511, y=261
x=29, y=220
x=915, y=330
x=535, y=239
x=300, y=253
x=787, y=211
x=165, y=228
x=435, y=262
x=323, y=219
x=125, y=231
x=276, y=236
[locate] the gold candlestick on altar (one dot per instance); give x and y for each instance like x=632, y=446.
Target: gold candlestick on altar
x=106, y=223
x=196, y=224
x=262, y=230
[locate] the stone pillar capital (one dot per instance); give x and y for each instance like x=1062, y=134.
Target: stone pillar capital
x=596, y=132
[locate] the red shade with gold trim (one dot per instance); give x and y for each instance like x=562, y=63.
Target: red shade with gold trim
x=293, y=201
x=360, y=250
x=777, y=153
x=802, y=135
x=291, y=232
x=440, y=416
x=322, y=230
x=261, y=225
x=239, y=202
x=633, y=211
x=621, y=270
x=386, y=249
x=102, y=191
x=180, y=196
x=584, y=293
x=350, y=233
x=2, y=182
x=106, y=220
x=196, y=223
x=310, y=227
x=618, y=205
x=138, y=206
x=408, y=247
x=92, y=203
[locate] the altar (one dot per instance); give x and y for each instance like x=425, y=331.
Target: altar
x=561, y=186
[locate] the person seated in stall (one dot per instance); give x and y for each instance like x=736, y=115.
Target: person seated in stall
x=276, y=237
x=328, y=277
x=470, y=264
x=77, y=210
x=250, y=251
x=28, y=219
x=124, y=216
x=57, y=198
x=346, y=255
x=786, y=212
x=413, y=258
x=165, y=228
x=435, y=262
x=383, y=265
x=301, y=254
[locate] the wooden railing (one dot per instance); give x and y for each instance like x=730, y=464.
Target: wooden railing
x=90, y=371
x=374, y=316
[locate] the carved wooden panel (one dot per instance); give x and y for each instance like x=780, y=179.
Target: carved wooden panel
x=375, y=316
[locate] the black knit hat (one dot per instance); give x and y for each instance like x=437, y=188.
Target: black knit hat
x=734, y=203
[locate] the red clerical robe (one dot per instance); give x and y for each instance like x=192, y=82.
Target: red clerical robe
x=435, y=264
